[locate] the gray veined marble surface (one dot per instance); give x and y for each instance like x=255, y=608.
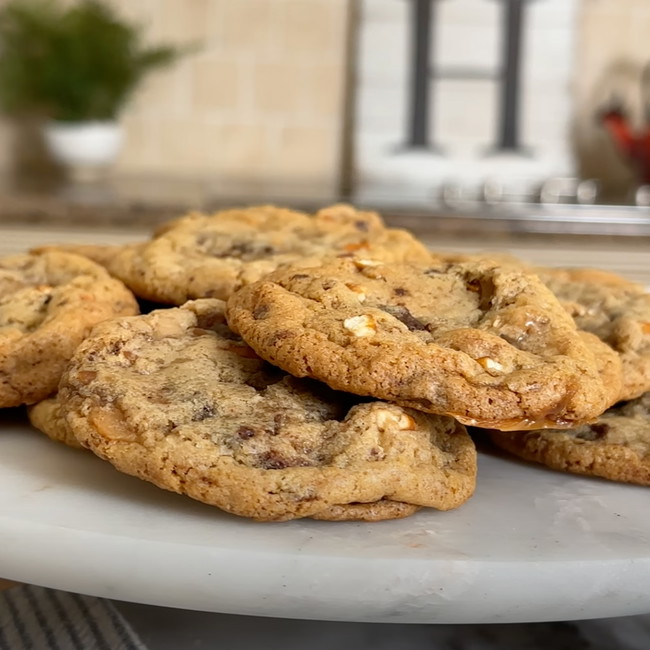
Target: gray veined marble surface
x=169, y=629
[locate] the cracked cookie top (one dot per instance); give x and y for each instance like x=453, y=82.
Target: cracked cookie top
x=602, y=303
x=616, y=311
x=177, y=399
x=490, y=346
x=48, y=304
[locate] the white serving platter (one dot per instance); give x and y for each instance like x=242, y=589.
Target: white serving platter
x=531, y=545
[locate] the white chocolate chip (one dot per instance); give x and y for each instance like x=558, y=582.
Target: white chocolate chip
x=401, y=421
x=361, y=325
x=363, y=264
x=489, y=364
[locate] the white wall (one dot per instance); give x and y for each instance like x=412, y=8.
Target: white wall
x=464, y=114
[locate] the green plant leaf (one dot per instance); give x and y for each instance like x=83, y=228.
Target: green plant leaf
x=73, y=63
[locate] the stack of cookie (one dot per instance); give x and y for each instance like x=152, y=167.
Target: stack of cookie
x=337, y=380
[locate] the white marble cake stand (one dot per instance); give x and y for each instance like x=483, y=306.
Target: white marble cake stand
x=531, y=545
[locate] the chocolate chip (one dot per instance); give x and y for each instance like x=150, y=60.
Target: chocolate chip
x=245, y=433
x=115, y=347
x=260, y=312
x=601, y=428
x=361, y=225
x=278, y=419
x=405, y=316
x=595, y=431
x=273, y=460
x=206, y=411
x=401, y=291
x=246, y=251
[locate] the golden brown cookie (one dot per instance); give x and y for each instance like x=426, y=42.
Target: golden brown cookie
x=48, y=304
x=609, y=306
x=377, y=511
x=209, y=256
x=102, y=254
x=615, y=447
x=497, y=257
x=174, y=398
x=46, y=416
x=616, y=311
x=489, y=346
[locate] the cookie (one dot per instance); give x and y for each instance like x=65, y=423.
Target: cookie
x=616, y=311
x=378, y=511
x=487, y=345
x=176, y=399
x=496, y=257
x=615, y=447
x=210, y=256
x=609, y=306
x=102, y=254
x=46, y=416
x=48, y=304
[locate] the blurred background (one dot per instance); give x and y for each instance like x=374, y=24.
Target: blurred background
x=478, y=113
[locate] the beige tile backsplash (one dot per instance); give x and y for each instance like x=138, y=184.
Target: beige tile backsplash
x=260, y=103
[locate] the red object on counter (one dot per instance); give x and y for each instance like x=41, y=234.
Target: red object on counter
x=635, y=147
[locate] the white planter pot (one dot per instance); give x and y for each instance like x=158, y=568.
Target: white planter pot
x=86, y=148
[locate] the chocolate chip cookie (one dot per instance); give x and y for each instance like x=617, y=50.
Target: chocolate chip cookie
x=177, y=399
x=487, y=345
x=615, y=447
x=48, y=304
x=47, y=417
x=102, y=254
x=210, y=256
x=615, y=310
